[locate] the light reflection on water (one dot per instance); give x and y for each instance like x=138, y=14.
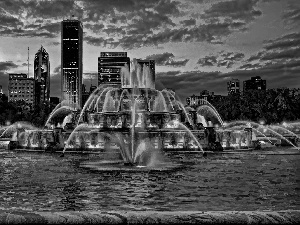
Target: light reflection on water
x=45, y=182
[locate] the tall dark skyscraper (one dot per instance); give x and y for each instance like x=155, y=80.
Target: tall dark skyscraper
x=109, y=67
x=71, y=61
x=255, y=83
x=41, y=77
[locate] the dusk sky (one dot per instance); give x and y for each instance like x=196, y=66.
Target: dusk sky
x=197, y=44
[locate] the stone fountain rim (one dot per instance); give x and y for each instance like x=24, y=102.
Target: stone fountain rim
x=151, y=216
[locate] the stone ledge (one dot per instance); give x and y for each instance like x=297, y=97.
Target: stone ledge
x=151, y=217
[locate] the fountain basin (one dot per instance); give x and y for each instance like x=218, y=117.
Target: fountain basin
x=153, y=217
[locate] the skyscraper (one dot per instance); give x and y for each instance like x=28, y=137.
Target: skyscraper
x=255, y=83
x=41, y=77
x=71, y=61
x=109, y=67
x=233, y=86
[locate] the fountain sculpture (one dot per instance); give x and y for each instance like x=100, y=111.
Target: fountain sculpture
x=135, y=120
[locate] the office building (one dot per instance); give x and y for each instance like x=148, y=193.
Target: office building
x=71, y=62
x=255, y=83
x=233, y=86
x=109, y=67
x=21, y=88
x=41, y=77
x=202, y=99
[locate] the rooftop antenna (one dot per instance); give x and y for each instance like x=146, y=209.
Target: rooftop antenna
x=28, y=62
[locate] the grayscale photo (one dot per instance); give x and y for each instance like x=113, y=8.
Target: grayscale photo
x=150, y=111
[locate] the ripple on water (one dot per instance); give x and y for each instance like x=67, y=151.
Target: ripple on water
x=44, y=182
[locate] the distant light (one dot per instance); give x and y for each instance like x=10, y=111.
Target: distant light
x=261, y=122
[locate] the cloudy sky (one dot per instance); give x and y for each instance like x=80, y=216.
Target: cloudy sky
x=197, y=44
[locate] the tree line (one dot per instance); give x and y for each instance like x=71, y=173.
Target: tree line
x=11, y=112
x=271, y=106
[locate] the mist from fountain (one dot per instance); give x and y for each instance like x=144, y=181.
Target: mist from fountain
x=212, y=110
x=169, y=95
x=20, y=124
x=259, y=125
x=78, y=127
x=104, y=91
x=285, y=130
x=56, y=111
x=87, y=103
x=185, y=113
x=109, y=102
x=261, y=133
x=216, y=111
x=177, y=123
x=160, y=103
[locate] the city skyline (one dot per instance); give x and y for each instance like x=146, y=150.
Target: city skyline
x=196, y=45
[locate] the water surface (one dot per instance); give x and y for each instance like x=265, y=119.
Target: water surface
x=245, y=181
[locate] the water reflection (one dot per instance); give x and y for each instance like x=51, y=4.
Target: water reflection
x=31, y=181
x=72, y=196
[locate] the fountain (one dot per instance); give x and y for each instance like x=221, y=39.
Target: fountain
x=135, y=121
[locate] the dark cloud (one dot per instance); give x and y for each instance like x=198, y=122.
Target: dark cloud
x=283, y=49
x=19, y=32
x=149, y=23
x=286, y=41
x=212, y=33
x=241, y=10
x=100, y=41
x=167, y=59
x=19, y=14
x=224, y=59
x=53, y=9
x=7, y=20
x=207, y=61
x=53, y=28
x=285, y=54
x=189, y=22
x=4, y=66
x=96, y=28
x=250, y=66
x=54, y=43
x=128, y=24
x=255, y=57
x=177, y=63
x=26, y=64
x=161, y=59
x=233, y=56
x=291, y=16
